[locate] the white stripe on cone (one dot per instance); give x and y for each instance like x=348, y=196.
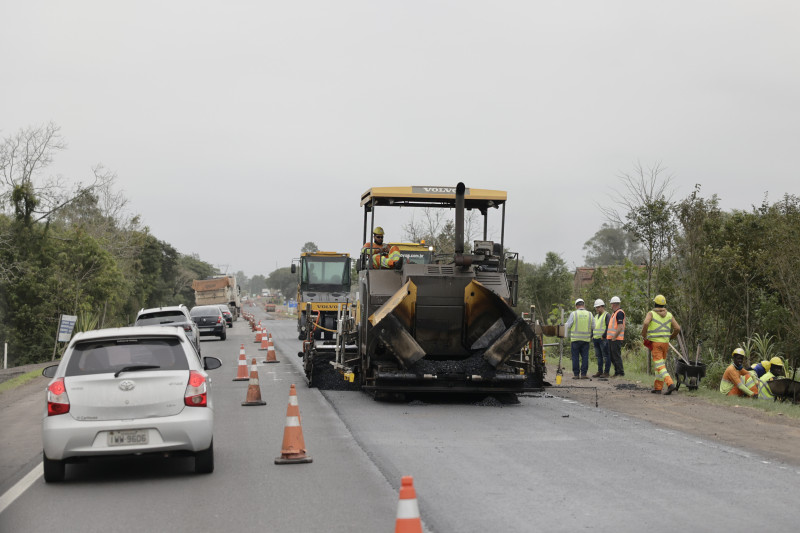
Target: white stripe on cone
x=292, y=421
x=407, y=509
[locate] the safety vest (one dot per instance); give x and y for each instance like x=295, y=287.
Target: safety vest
x=581, y=327
x=659, y=329
x=599, y=326
x=764, y=392
x=615, y=327
x=371, y=248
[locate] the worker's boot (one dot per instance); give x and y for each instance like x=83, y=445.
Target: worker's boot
x=597, y=375
x=656, y=391
x=670, y=389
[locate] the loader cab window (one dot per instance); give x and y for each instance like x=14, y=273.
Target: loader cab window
x=330, y=274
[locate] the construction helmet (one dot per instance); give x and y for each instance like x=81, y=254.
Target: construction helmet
x=599, y=303
x=660, y=300
x=739, y=351
x=776, y=361
x=377, y=231
x=615, y=299
x=766, y=365
x=579, y=301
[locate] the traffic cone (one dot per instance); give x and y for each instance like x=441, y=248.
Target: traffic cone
x=264, y=341
x=253, y=389
x=294, y=447
x=271, y=358
x=241, y=374
x=408, y=520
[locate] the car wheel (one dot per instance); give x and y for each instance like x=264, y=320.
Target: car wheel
x=53, y=470
x=204, y=460
x=224, y=335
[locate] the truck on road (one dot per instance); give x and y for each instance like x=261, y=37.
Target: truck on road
x=218, y=290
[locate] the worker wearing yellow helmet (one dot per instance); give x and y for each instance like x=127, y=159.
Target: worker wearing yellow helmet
x=658, y=329
x=383, y=256
x=736, y=381
x=761, y=368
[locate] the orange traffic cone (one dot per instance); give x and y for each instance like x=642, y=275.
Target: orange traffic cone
x=241, y=374
x=294, y=447
x=260, y=334
x=408, y=520
x=264, y=341
x=254, y=389
x=271, y=358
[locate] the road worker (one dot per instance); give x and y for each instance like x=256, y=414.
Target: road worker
x=615, y=334
x=659, y=328
x=382, y=256
x=579, y=327
x=761, y=368
x=736, y=381
x=600, y=341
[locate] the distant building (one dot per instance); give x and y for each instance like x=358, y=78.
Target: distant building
x=584, y=276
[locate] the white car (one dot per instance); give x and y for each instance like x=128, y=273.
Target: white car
x=172, y=316
x=128, y=391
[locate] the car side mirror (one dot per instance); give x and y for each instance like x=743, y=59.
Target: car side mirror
x=294, y=268
x=49, y=371
x=211, y=363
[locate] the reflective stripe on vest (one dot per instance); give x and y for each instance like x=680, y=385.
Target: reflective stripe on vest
x=599, y=325
x=581, y=327
x=763, y=389
x=659, y=329
x=614, y=327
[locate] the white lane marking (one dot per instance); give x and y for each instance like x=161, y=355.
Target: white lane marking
x=22, y=485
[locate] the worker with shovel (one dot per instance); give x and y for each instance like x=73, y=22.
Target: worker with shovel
x=658, y=329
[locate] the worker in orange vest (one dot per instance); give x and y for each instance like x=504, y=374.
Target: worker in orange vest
x=383, y=256
x=615, y=335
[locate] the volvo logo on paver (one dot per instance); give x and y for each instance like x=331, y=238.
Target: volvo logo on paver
x=127, y=385
x=436, y=190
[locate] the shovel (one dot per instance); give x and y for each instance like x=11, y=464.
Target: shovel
x=559, y=370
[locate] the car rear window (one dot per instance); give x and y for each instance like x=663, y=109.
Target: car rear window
x=161, y=317
x=110, y=355
x=206, y=310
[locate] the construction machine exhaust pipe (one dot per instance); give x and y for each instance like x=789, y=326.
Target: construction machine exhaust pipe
x=460, y=190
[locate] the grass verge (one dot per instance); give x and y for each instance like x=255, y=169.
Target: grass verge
x=19, y=380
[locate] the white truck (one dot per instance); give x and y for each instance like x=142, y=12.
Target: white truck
x=218, y=290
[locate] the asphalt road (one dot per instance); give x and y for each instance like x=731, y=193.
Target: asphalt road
x=545, y=464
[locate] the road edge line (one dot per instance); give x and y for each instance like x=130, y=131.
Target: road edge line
x=20, y=487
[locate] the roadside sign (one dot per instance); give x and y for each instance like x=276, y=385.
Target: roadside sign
x=65, y=327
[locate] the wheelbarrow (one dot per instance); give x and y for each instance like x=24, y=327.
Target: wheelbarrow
x=689, y=373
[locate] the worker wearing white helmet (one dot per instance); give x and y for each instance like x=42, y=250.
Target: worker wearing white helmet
x=599, y=340
x=615, y=334
x=579, y=327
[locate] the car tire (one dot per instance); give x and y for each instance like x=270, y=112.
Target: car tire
x=224, y=335
x=54, y=470
x=204, y=460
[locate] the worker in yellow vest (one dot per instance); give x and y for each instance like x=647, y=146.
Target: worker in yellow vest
x=659, y=328
x=579, y=327
x=775, y=370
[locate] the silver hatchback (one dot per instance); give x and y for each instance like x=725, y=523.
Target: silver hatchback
x=128, y=391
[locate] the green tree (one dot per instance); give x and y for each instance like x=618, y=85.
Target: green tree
x=309, y=247
x=283, y=280
x=645, y=211
x=547, y=285
x=612, y=245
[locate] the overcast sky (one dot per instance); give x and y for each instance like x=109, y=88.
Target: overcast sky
x=240, y=130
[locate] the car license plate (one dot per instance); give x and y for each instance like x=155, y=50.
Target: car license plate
x=206, y=329
x=127, y=437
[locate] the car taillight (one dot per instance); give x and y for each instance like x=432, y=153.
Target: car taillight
x=187, y=328
x=219, y=319
x=196, y=391
x=57, y=399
